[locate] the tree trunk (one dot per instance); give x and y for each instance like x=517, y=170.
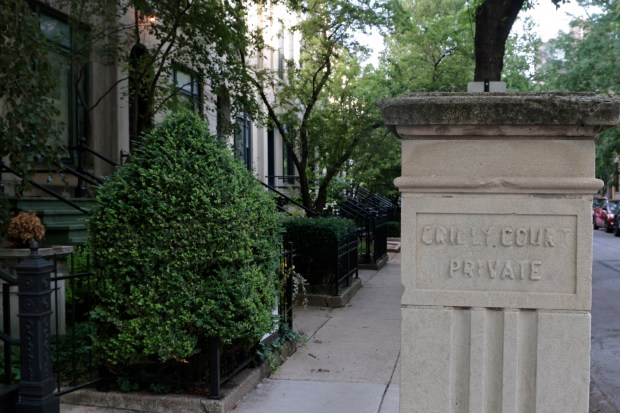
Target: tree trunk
x=494, y=19
x=304, y=188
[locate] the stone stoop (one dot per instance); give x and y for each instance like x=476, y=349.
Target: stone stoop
x=393, y=245
x=63, y=224
x=100, y=401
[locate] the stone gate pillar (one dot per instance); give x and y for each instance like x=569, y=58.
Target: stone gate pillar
x=497, y=249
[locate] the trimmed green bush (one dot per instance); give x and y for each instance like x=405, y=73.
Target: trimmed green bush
x=186, y=246
x=316, y=242
x=393, y=229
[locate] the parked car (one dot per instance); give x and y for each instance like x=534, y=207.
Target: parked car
x=604, y=215
x=616, y=224
x=597, y=202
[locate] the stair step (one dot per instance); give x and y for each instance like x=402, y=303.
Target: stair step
x=66, y=237
x=63, y=224
x=65, y=227
x=45, y=204
x=51, y=218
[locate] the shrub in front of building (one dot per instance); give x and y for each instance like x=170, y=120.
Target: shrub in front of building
x=186, y=247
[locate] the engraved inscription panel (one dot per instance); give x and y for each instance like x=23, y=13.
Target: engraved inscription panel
x=496, y=252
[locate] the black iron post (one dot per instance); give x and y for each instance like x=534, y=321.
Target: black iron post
x=213, y=343
x=286, y=300
x=289, y=285
x=36, y=387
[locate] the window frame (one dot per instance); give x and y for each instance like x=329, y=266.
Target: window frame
x=77, y=122
x=194, y=97
x=242, y=139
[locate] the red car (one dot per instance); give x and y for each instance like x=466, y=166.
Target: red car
x=604, y=212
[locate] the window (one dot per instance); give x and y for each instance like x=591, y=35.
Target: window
x=223, y=112
x=243, y=140
x=288, y=166
x=70, y=86
x=140, y=118
x=188, y=89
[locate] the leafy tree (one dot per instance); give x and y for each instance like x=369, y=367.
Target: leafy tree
x=494, y=21
x=29, y=135
x=292, y=98
x=523, y=60
x=148, y=39
x=145, y=39
x=431, y=46
x=349, y=116
x=432, y=49
x=586, y=60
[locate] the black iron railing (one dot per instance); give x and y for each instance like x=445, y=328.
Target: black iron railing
x=283, y=200
x=329, y=267
x=4, y=168
x=9, y=342
x=347, y=265
x=70, y=286
x=84, y=176
x=224, y=362
x=371, y=213
x=283, y=181
x=70, y=333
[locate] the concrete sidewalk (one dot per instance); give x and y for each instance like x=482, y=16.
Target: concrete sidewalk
x=350, y=359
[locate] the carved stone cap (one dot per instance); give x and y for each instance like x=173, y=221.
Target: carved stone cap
x=43, y=251
x=520, y=109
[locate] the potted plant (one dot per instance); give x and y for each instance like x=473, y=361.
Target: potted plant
x=24, y=228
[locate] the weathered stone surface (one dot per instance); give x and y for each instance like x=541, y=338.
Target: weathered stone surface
x=496, y=249
x=501, y=109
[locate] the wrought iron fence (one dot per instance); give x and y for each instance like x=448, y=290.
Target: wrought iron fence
x=328, y=268
x=58, y=306
x=371, y=213
x=72, y=289
x=347, y=264
x=68, y=283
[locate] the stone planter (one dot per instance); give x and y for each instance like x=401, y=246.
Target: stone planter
x=9, y=257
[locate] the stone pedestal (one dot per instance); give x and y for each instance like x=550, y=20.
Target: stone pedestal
x=497, y=249
x=9, y=257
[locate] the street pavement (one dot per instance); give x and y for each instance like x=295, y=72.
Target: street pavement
x=349, y=361
x=605, y=354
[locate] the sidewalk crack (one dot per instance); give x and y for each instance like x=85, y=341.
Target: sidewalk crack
x=388, y=383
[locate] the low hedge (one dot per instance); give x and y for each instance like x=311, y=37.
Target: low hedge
x=393, y=229
x=315, y=242
x=186, y=246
